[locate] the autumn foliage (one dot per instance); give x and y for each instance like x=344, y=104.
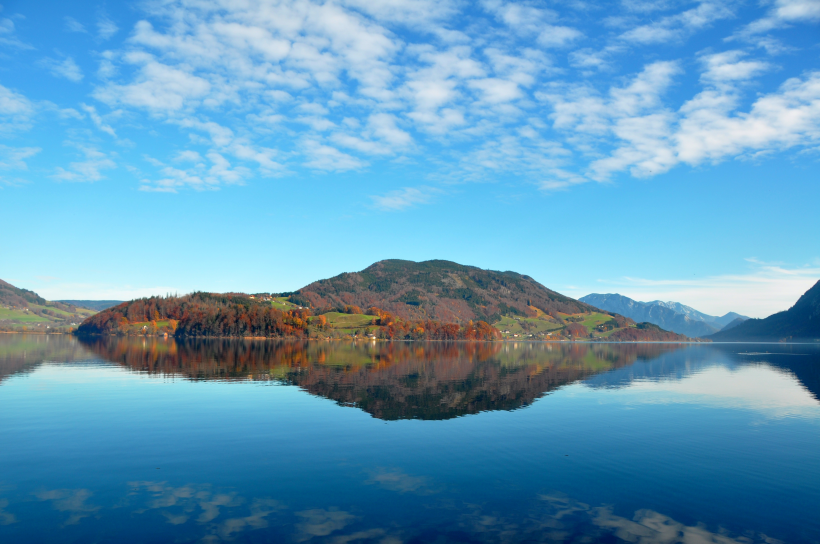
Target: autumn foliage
x=237, y=315
x=200, y=314
x=394, y=328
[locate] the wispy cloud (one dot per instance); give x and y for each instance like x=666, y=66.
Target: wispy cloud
x=13, y=158
x=73, y=25
x=676, y=27
x=16, y=111
x=97, y=120
x=783, y=13
x=91, y=168
x=106, y=28
x=505, y=87
x=65, y=68
x=404, y=198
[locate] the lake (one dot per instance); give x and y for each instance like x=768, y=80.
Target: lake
x=154, y=440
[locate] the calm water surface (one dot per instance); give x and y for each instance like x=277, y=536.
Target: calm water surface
x=131, y=440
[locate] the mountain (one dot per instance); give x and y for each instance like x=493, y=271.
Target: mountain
x=393, y=299
x=691, y=313
x=651, y=312
x=441, y=290
x=734, y=323
x=96, y=305
x=800, y=322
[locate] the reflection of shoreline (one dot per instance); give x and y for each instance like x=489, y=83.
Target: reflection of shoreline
x=409, y=380
x=393, y=380
x=24, y=352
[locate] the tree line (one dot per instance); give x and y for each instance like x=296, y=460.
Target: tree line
x=237, y=315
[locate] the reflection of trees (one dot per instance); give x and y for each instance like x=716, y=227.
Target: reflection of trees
x=393, y=380
x=23, y=352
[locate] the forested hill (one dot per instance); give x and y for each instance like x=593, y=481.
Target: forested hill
x=198, y=314
x=440, y=290
x=241, y=315
x=800, y=322
x=18, y=298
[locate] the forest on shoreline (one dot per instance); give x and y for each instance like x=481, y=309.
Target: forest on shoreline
x=239, y=315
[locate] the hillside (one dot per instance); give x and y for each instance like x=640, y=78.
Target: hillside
x=24, y=310
x=197, y=314
x=439, y=290
x=395, y=300
x=515, y=304
x=672, y=316
x=239, y=315
x=19, y=298
x=800, y=322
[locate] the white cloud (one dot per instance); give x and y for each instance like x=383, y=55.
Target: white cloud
x=200, y=177
x=709, y=129
x=325, y=157
x=16, y=111
x=404, y=198
x=13, y=158
x=422, y=14
x=384, y=126
x=650, y=139
x=589, y=59
x=158, y=87
x=89, y=169
x=97, y=120
x=272, y=86
x=188, y=156
x=73, y=25
x=558, y=36
x=106, y=28
x=783, y=13
x=7, y=36
x=65, y=68
x=727, y=67
x=676, y=27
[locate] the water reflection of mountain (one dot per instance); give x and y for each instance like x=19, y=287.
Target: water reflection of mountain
x=24, y=352
x=799, y=360
x=389, y=381
x=412, y=380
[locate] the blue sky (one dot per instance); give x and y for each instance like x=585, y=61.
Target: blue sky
x=660, y=149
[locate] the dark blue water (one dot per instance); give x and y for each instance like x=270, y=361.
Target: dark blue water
x=154, y=441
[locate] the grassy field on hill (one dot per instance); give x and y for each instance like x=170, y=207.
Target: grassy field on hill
x=38, y=317
x=525, y=326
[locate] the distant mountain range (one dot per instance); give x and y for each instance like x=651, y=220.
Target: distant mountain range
x=800, y=322
x=672, y=316
x=96, y=305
